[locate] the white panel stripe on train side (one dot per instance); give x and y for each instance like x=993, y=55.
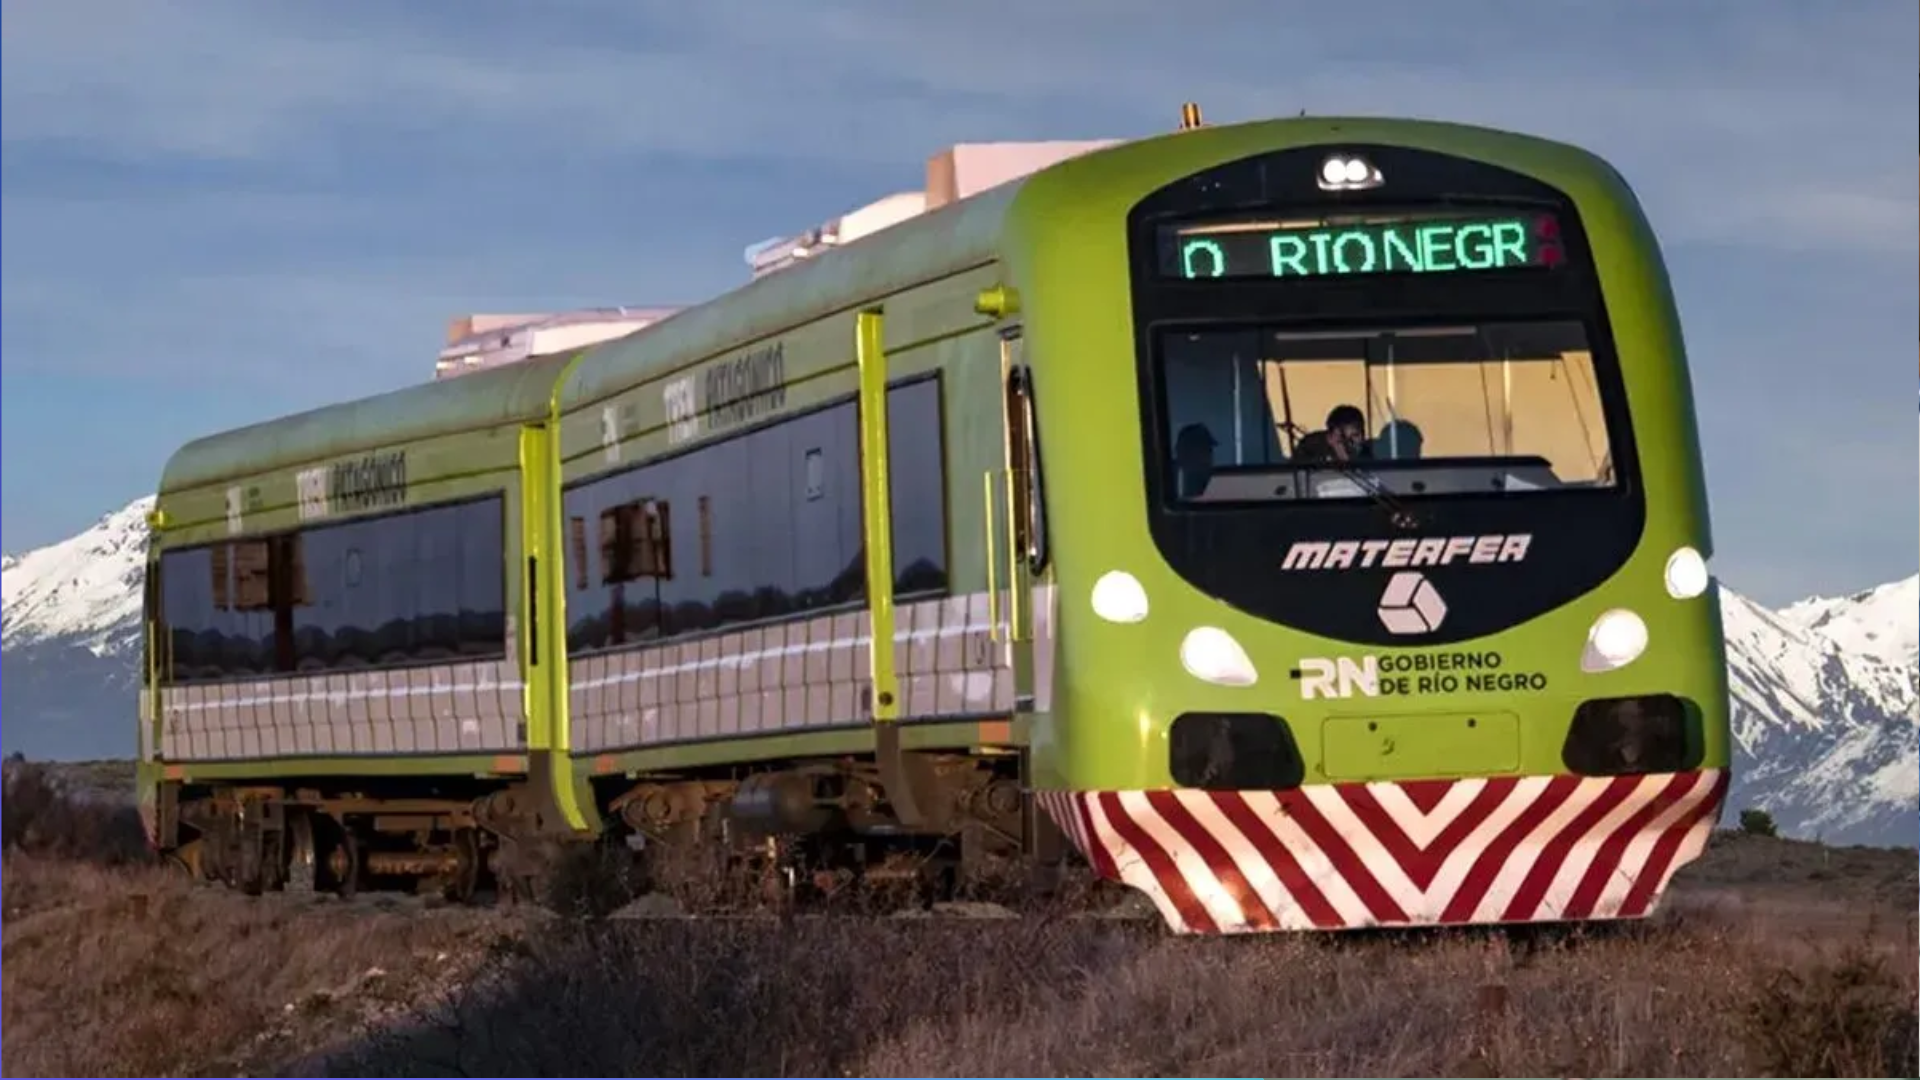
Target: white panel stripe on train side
x=713, y=687
x=805, y=674
x=462, y=708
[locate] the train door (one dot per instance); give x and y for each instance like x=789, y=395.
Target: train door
x=156, y=658
x=1015, y=542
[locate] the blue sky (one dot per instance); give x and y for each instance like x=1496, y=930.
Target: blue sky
x=220, y=211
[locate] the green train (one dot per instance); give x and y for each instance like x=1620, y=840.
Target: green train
x=1300, y=522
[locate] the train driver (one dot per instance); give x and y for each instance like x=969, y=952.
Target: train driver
x=1343, y=439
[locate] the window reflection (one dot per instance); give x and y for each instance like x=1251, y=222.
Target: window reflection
x=772, y=519
x=415, y=587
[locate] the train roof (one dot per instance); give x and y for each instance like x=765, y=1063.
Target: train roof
x=955, y=236
x=515, y=393
x=933, y=245
x=959, y=234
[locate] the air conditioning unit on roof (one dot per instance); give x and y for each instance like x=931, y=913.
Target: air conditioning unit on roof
x=953, y=174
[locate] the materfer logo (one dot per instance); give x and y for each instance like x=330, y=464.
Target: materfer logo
x=1406, y=552
x=1411, y=605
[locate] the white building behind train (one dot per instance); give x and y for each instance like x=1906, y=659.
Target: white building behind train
x=477, y=342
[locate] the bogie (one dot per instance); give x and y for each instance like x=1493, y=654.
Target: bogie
x=801, y=834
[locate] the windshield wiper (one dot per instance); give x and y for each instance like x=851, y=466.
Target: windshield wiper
x=1397, y=513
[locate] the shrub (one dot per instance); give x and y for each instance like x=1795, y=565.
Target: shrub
x=1845, y=1016
x=1757, y=822
x=41, y=816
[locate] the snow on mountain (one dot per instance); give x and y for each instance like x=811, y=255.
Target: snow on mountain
x=69, y=641
x=85, y=589
x=1878, y=622
x=1826, y=729
x=1824, y=691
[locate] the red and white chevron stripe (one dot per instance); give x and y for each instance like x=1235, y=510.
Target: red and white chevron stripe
x=1426, y=852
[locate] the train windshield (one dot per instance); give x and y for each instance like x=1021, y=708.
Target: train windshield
x=1258, y=414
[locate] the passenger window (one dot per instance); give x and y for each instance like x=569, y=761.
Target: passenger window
x=417, y=586
x=772, y=519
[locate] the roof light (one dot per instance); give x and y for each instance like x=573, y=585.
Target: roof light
x=1348, y=172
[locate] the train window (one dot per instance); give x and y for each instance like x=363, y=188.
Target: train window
x=769, y=495
x=240, y=576
x=823, y=534
x=776, y=523
x=577, y=551
x=1257, y=415
x=917, y=464
x=208, y=637
x=414, y=587
x=687, y=601
x=635, y=541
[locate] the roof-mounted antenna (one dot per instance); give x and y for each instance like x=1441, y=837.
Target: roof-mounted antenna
x=1190, y=116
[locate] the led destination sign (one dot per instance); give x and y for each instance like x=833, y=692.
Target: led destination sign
x=1440, y=244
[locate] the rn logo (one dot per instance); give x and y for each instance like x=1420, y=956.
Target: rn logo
x=1413, y=675
x=1340, y=677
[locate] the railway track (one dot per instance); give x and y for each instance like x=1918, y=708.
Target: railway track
x=1101, y=903
x=658, y=907
x=599, y=882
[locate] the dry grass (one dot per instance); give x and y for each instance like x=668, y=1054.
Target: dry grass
x=113, y=966
x=1776, y=959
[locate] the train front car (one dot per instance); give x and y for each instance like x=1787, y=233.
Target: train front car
x=1377, y=521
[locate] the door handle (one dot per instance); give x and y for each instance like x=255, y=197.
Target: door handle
x=993, y=561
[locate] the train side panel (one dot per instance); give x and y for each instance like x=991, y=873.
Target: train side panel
x=750, y=458
x=352, y=620
x=228, y=698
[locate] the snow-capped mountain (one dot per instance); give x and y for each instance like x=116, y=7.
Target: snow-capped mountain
x=69, y=641
x=1825, y=690
x=1879, y=622
x=1824, y=713
x=84, y=590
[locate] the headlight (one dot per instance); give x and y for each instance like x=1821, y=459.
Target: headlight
x=1210, y=653
x=1687, y=575
x=1119, y=597
x=1616, y=639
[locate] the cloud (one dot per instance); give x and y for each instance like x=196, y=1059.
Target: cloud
x=1736, y=127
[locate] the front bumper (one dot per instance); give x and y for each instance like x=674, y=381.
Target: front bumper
x=1482, y=850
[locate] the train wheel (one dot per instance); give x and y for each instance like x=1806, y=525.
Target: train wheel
x=464, y=882
x=344, y=864
x=250, y=867
x=184, y=861
x=303, y=858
